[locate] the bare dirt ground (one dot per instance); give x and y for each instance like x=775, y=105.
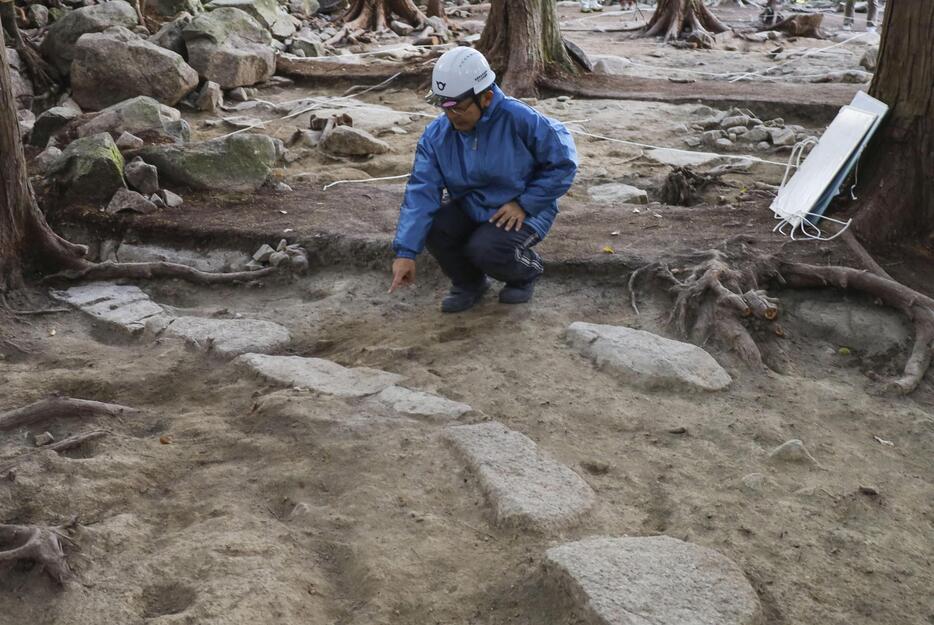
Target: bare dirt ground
x=230, y=501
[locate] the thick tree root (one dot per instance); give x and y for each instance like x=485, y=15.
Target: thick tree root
x=42, y=545
x=798, y=26
x=686, y=19
x=145, y=271
x=58, y=407
x=375, y=16
x=72, y=442
x=718, y=293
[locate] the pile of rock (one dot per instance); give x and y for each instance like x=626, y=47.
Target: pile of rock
x=741, y=126
x=285, y=254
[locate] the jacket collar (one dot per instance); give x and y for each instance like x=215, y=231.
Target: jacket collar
x=490, y=111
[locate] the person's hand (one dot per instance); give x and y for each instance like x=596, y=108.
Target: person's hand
x=403, y=273
x=511, y=216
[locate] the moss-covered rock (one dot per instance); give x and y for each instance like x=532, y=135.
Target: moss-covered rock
x=238, y=163
x=229, y=47
x=89, y=168
x=141, y=116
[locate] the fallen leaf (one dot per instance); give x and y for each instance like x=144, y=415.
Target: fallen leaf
x=165, y=439
x=608, y=250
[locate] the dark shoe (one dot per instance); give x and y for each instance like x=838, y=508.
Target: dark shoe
x=460, y=299
x=517, y=293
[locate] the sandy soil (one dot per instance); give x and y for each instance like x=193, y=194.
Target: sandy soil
x=278, y=506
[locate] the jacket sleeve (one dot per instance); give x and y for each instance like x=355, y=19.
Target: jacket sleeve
x=556, y=158
x=422, y=201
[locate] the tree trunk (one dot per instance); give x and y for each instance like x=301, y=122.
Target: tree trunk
x=688, y=18
x=522, y=41
x=23, y=229
x=898, y=194
x=435, y=8
x=376, y=15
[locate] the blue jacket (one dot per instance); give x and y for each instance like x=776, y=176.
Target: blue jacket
x=513, y=153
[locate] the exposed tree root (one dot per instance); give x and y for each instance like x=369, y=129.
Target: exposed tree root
x=72, y=442
x=799, y=26
x=719, y=293
x=686, y=19
x=375, y=16
x=43, y=75
x=145, y=271
x=58, y=407
x=42, y=545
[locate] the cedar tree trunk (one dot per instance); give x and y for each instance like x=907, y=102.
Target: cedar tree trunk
x=23, y=229
x=898, y=196
x=689, y=18
x=376, y=15
x=522, y=42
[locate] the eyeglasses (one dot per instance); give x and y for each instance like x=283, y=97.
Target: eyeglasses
x=458, y=108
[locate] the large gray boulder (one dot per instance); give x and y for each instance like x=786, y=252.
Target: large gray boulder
x=303, y=8
x=170, y=35
x=114, y=65
x=647, y=359
x=266, y=12
x=230, y=48
x=171, y=8
x=90, y=168
x=655, y=580
x=142, y=117
x=237, y=163
x=349, y=141
x=59, y=43
x=50, y=122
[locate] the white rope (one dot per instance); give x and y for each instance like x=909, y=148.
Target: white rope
x=738, y=157
x=337, y=182
x=808, y=53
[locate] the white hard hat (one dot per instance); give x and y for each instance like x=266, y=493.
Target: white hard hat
x=458, y=74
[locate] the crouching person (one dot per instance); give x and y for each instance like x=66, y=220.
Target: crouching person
x=503, y=165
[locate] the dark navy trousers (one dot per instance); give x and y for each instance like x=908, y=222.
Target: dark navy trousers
x=467, y=250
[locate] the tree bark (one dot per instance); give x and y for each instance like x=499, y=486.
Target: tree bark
x=690, y=19
x=376, y=15
x=898, y=194
x=522, y=41
x=435, y=8
x=23, y=229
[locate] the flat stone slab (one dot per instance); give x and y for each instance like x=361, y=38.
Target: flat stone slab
x=124, y=307
x=680, y=158
x=217, y=260
x=656, y=580
x=226, y=337
x=867, y=328
x=421, y=404
x=524, y=486
x=647, y=359
x=320, y=375
x=616, y=192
